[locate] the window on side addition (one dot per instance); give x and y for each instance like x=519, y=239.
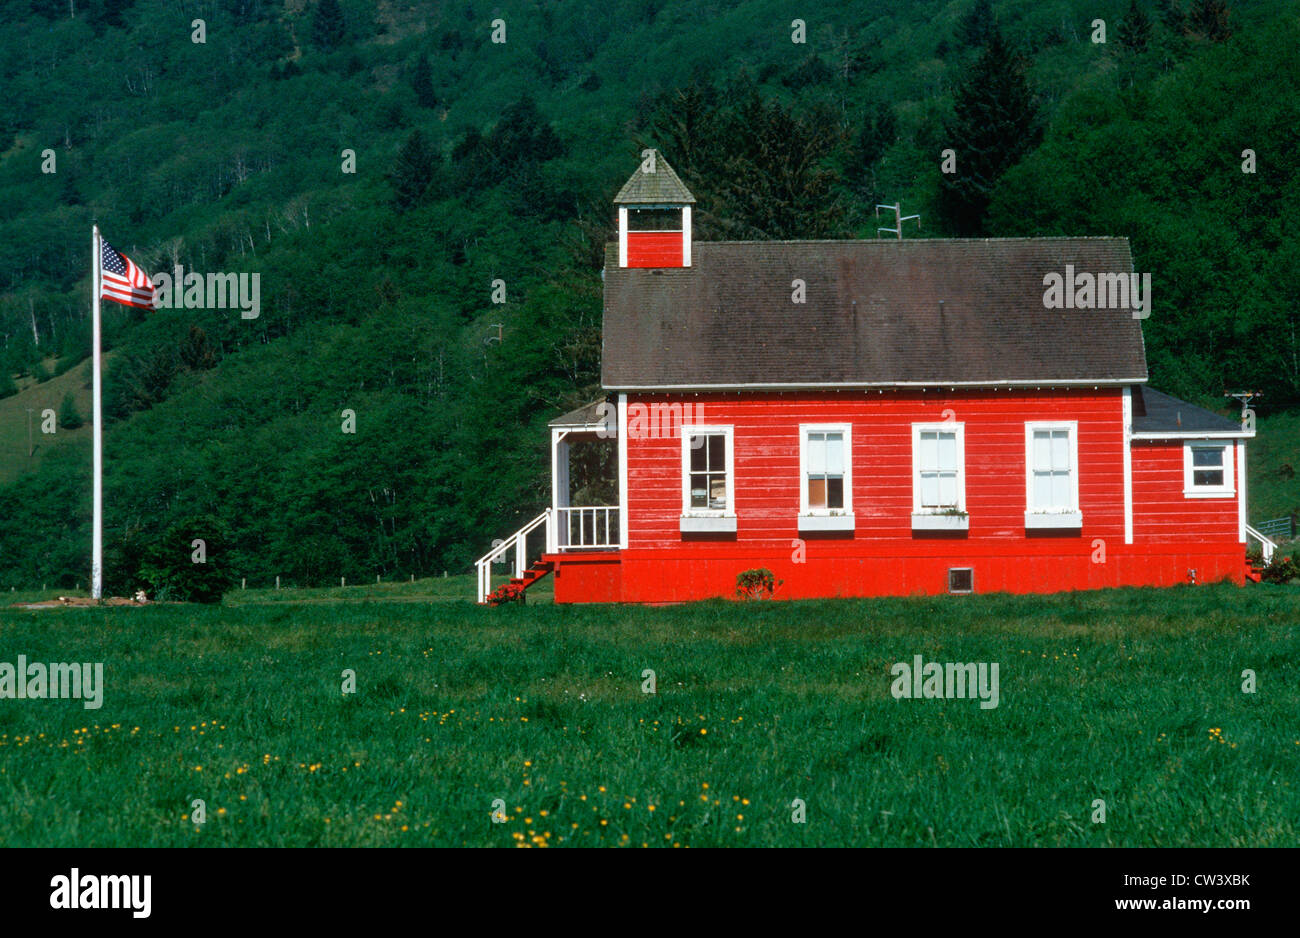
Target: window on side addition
x=1207, y=470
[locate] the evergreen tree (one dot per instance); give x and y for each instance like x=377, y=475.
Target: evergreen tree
x=1135, y=30
x=995, y=124
x=327, y=26
x=977, y=27
x=422, y=83
x=1172, y=15
x=196, y=352
x=879, y=131
x=412, y=173
x=758, y=168
x=1209, y=18
x=69, y=416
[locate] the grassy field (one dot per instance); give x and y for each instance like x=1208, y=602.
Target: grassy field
x=1272, y=465
x=14, y=459
x=1130, y=696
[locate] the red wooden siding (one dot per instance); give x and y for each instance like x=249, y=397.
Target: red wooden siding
x=767, y=461
x=883, y=556
x=654, y=249
x=1160, y=510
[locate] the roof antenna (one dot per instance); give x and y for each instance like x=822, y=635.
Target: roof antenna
x=899, y=218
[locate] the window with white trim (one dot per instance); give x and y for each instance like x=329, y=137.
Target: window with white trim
x=1207, y=469
x=1052, y=467
x=938, y=461
x=826, y=469
x=708, y=474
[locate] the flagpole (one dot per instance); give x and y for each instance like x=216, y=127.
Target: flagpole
x=97, y=549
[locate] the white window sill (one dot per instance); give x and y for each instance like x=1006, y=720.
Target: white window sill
x=1202, y=493
x=708, y=524
x=1053, y=519
x=827, y=522
x=922, y=521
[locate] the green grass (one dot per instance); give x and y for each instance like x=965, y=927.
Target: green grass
x=1273, y=467
x=14, y=458
x=458, y=588
x=1121, y=695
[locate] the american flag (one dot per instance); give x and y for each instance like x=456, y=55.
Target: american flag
x=122, y=281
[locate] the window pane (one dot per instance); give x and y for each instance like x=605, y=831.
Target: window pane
x=1042, y=449
x=816, y=453
x=1042, y=490
x=835, y=453
x=816, y=493
x=929, y=450
x=1202, y=456
x=948, y=451
x=1060, y=449
x=1061, y=490
x=699, y=491
x=835, y=493
x=929, y=490
x=717, y=453
x=948, y=490
x=698, y=455
x=1207, y=477
x=718, y=491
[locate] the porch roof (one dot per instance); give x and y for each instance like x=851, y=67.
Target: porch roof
x=588, y=415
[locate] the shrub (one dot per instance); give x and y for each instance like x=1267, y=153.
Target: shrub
x=173, y=574
x=1280, y=570
x=506, y=593
x=758, y=583
x=69, y=416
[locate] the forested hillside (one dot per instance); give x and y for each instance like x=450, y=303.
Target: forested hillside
x=390, y=170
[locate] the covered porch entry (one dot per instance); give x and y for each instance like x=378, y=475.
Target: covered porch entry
x=585, y=514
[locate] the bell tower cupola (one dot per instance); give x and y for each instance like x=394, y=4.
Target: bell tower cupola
x=654, y=216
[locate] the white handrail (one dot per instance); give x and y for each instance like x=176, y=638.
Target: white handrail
x=518, y=541
x=1266, y=543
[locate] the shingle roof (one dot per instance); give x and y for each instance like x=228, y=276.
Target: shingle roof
x=1156, y=412
x=585, y=416
x=877, y=313
x=662, y=187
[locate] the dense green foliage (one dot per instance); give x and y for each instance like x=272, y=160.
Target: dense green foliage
x=478, y=161
x=1129, y=696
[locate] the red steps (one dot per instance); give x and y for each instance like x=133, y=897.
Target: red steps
x=534, y=573
x=1254, y=570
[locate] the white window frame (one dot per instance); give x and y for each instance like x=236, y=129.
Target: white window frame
x=951, y=426
x=826, y=519
x=1229, y=487
x=1068, y=516
x=688, y=513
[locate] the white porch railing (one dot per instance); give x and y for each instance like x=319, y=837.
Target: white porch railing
x=588, y=527
x=1266, y=543
x=566, y=529
x=518, y=542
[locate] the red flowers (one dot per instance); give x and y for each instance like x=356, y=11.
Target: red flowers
x=506, y=593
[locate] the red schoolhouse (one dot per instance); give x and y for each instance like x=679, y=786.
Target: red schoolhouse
x=877, y=417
